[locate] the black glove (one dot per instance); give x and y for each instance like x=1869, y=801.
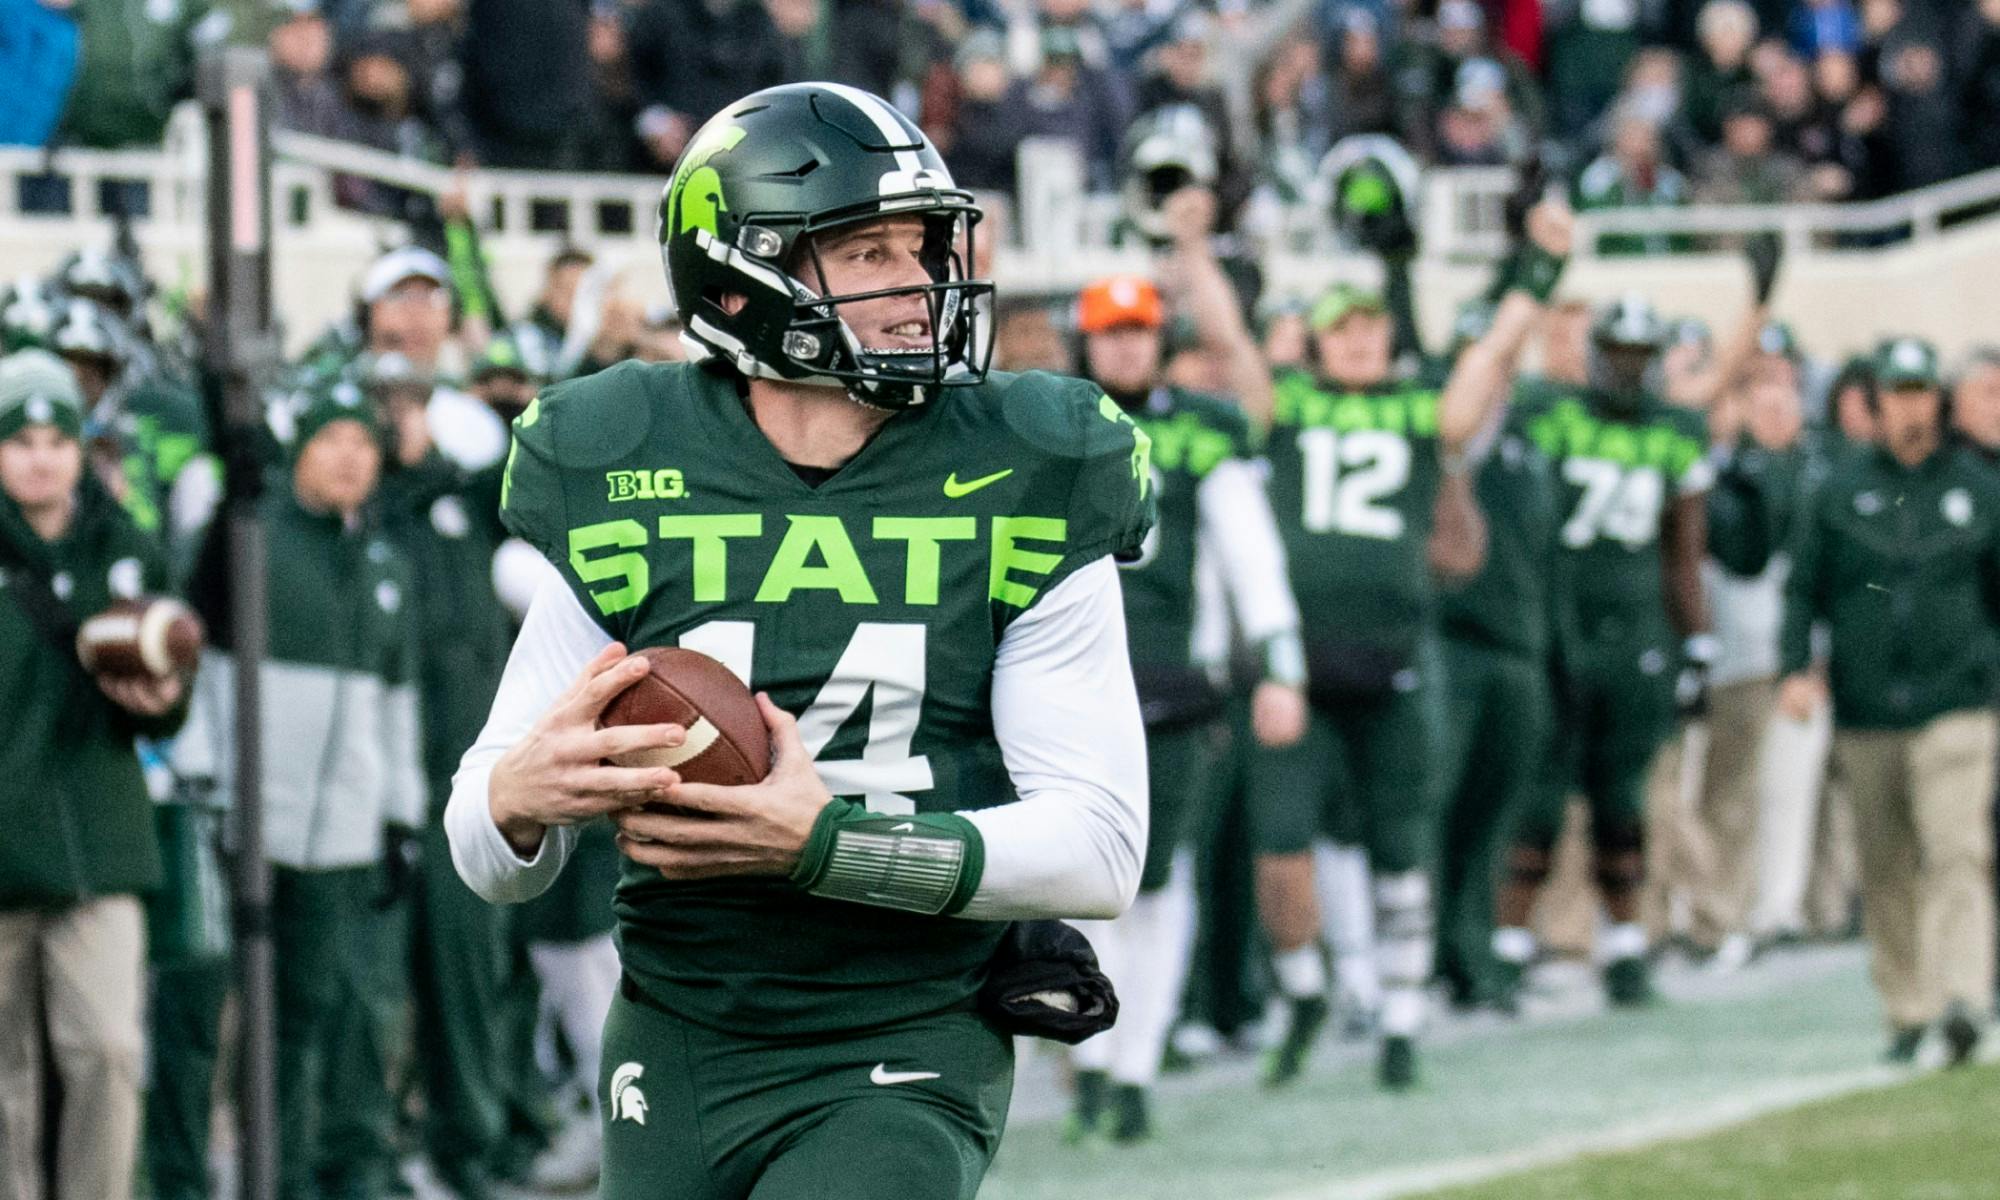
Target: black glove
x=1764, y=252
x=402, y=859
x=1691, y=689
x=1043, y=982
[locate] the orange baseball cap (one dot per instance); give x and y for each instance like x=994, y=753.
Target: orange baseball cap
x=1119, y=300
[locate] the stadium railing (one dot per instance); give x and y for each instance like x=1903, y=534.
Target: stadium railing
x=1049, y=240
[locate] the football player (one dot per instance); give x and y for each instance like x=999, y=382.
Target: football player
x=1211, y=505
x=913, y=562
x=1359, y=480
x=1633, y=475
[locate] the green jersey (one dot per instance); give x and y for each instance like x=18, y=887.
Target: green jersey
x=1354, y=479
x=1507, y=605
x=872, y=606
x=1191, y=434
x=1616, y=472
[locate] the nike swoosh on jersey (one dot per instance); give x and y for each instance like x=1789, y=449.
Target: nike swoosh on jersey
x=882, y=1076
x=953, y=489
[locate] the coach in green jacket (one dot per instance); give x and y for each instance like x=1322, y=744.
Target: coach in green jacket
x=79, y=845
x=1898, y=552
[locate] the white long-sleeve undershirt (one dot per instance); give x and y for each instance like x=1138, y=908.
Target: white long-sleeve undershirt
x=1064, y=713
x=1239, y=532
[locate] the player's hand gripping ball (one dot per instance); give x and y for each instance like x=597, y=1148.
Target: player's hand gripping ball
x=726, y=744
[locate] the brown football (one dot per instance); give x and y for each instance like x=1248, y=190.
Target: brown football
x=726, y=743
x=153, y=636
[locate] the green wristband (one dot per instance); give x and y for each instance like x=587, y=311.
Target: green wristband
x=1536, y=272
x=919, y=862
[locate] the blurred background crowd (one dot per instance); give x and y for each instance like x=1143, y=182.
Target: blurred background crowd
x=1647, y=102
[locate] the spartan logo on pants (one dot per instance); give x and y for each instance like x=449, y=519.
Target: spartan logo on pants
x=628, y=1103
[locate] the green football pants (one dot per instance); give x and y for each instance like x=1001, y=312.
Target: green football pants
x=459, y=971
x=1490, y=761
x=187, y=1038
x=334, y=951
x=1362, y=775
x=1177, y=764
x=1614, y=711
x=912, y=1111
x=1225, y=985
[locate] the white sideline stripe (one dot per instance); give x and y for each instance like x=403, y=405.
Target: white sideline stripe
x=1638, y=1135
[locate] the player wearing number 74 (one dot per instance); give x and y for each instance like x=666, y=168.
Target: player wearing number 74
x=912, y=561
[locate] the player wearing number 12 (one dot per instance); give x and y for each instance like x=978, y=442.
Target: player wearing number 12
x=913, y=561
x=1358, y=458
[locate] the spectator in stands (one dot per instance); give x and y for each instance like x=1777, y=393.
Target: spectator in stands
x=1632, y=173
x=1293, y=118
x=1479, y=128
x=1589, y=47
x=1070, y=100
x=986, y=130
x=38, y=53
x=80, y=846
x=309, y=97
x=137, y=62
x=1746, y=168
x=1922, y=127
x=1361, y=99
x=1433, y=72
x=1801, y=123
x=381, y=93
x=1979, y=41
x=530, y=87
x=1726, y=30
x=432, y=48
x=1179, y=75
x=1822, y=26
x=540, y=335
x=691, y=57
x=1135, y=28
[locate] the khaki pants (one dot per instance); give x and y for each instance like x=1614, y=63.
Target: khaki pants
x=1805, y=839
x=1702, y=810
x=1922, y=804
x=82, y=971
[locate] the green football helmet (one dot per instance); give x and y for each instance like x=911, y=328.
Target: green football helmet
x=1626, y=338
x=1631, y=321
x=28, y=315
x=754, y=189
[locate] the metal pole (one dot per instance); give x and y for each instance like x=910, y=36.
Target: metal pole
x=235, y=97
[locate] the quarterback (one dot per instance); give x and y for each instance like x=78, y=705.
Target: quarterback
x=913, y=563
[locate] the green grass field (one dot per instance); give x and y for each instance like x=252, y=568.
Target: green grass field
x=1513, y=1110
x=1936, y=1138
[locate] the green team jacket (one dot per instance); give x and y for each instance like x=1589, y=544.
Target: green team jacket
x=339, y=702
x=871, y=605
x=74, y=804
x=1903, y=565
x=446, y=523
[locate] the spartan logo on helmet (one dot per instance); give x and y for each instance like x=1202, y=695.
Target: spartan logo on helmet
x=628, y=1103
x=759, y=184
